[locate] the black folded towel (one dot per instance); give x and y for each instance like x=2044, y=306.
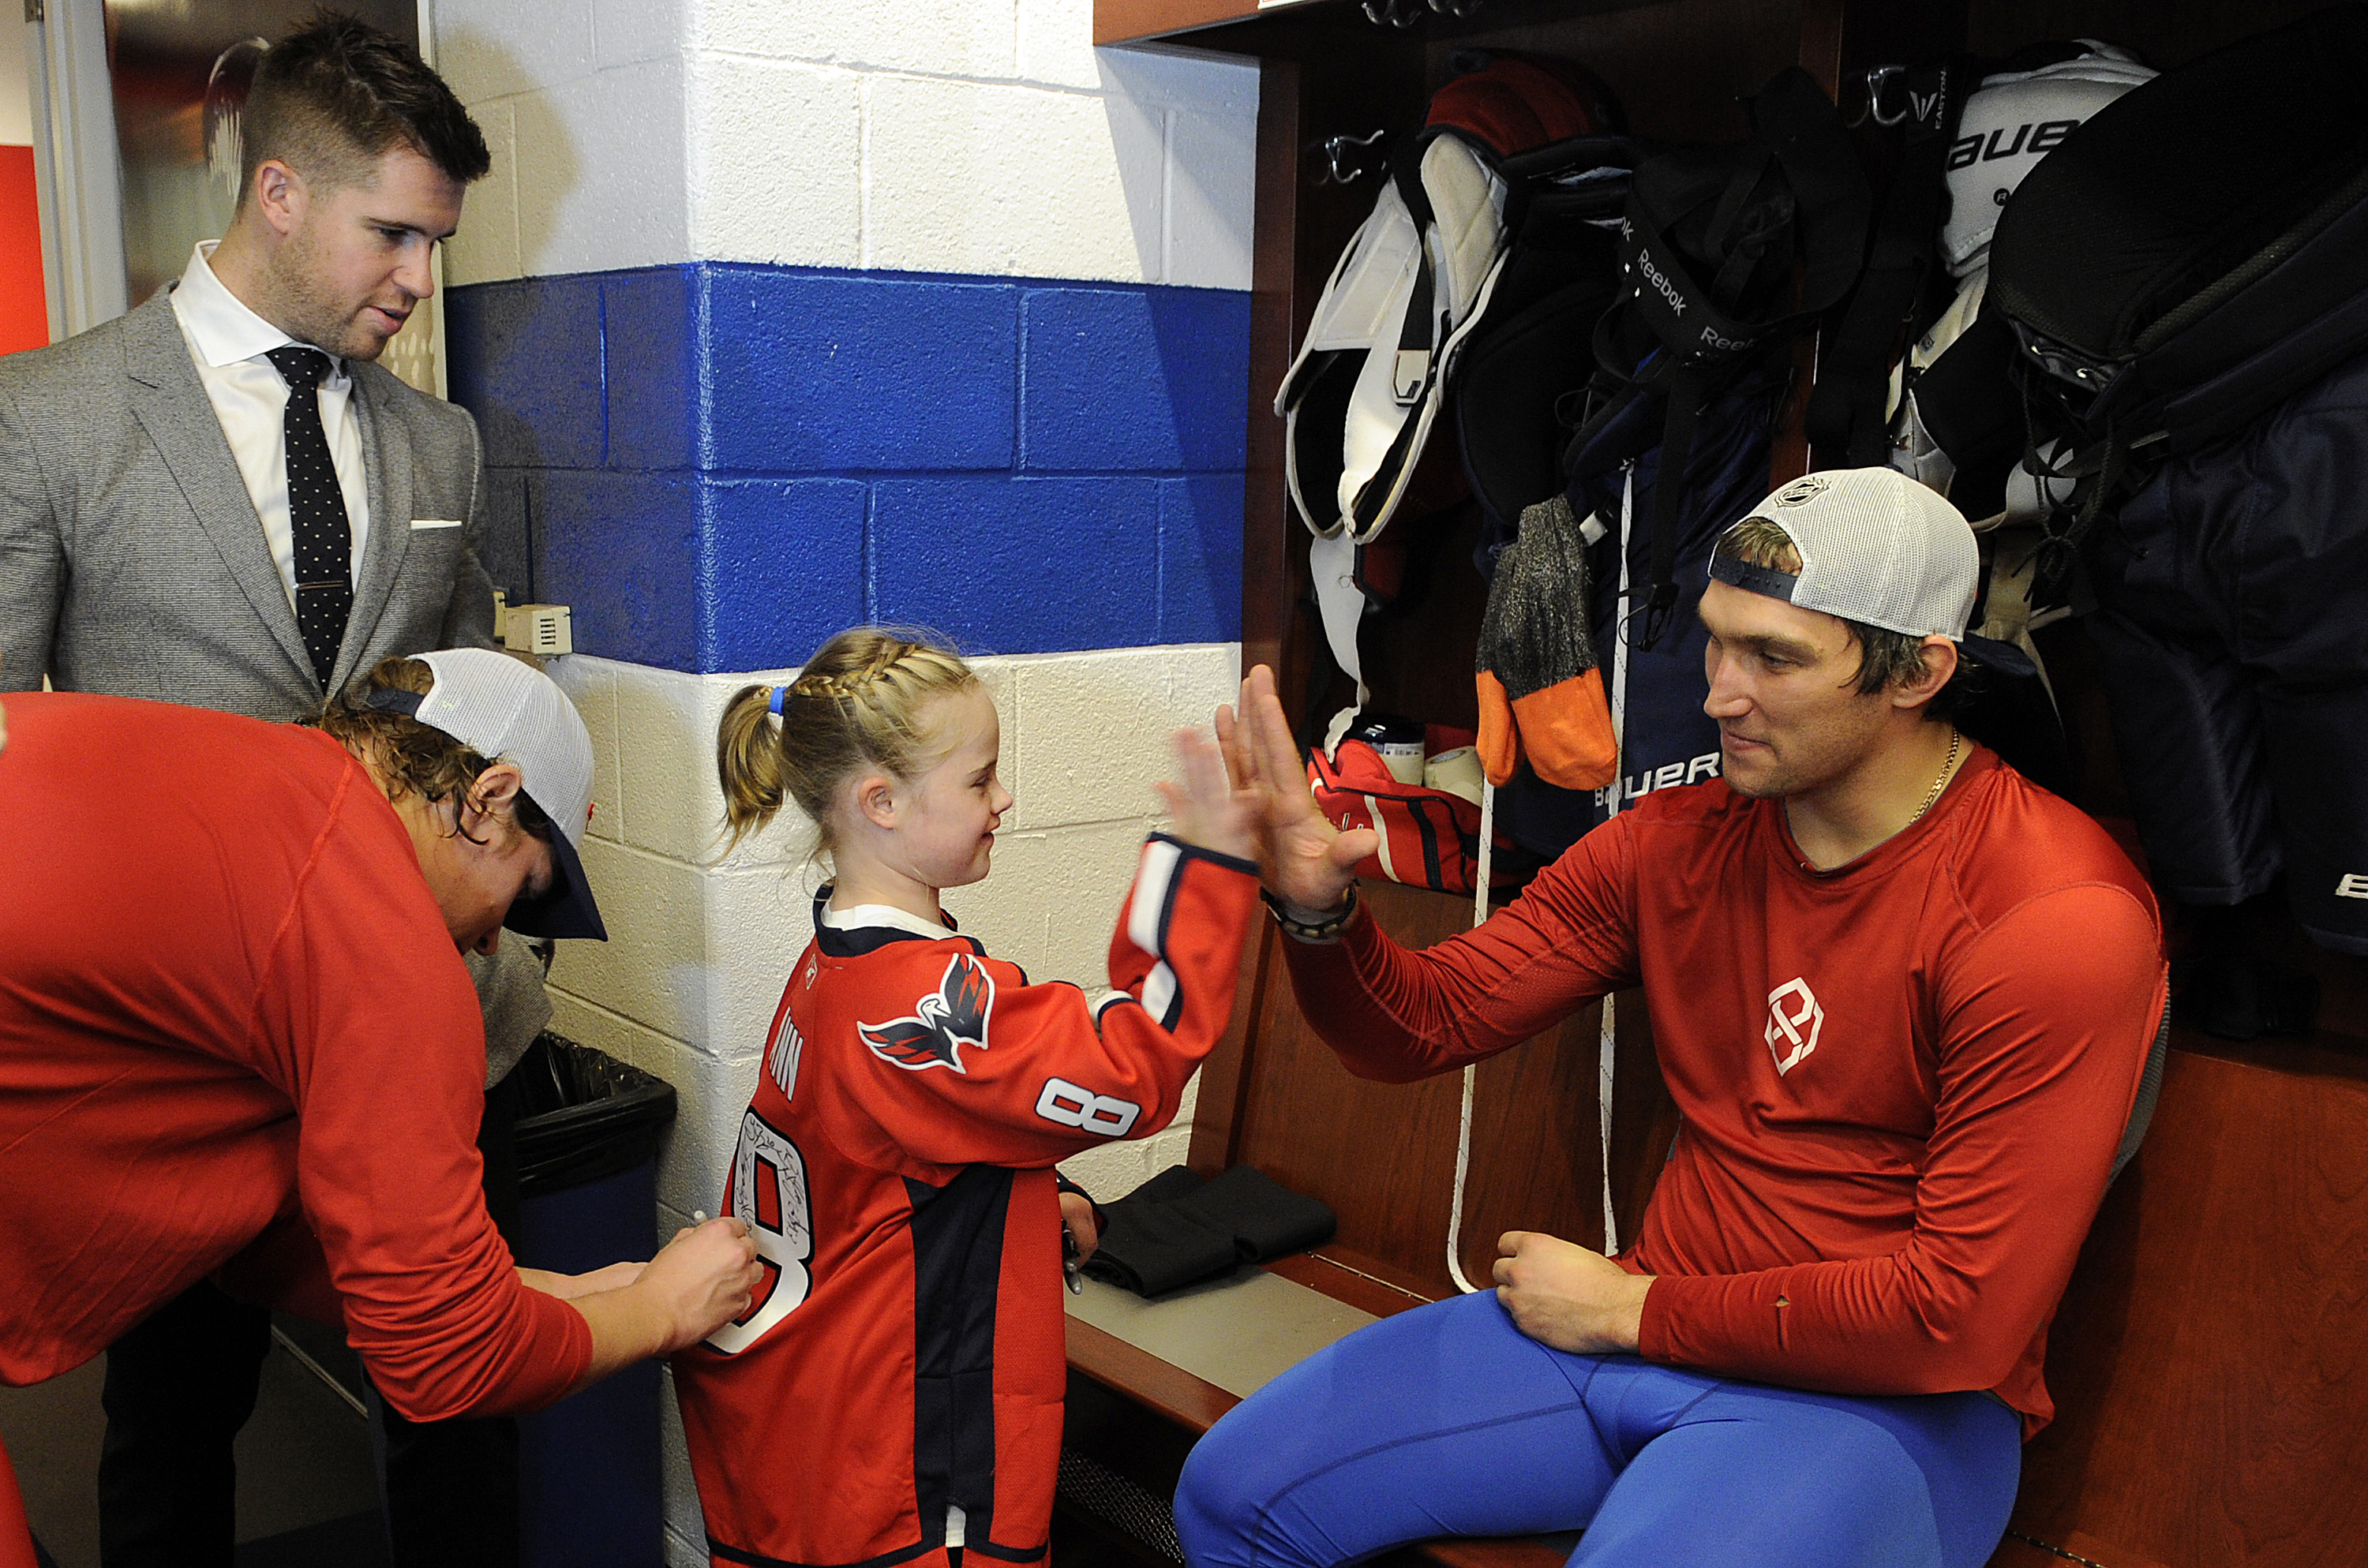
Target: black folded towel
x=1176, y=1229
x=1265, y=1219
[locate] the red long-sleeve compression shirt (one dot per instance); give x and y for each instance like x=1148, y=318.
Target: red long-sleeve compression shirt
x=1901, y=1082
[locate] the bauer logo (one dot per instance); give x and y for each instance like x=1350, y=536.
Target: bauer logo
x=1794, y=1021
x=2005, y=144
x=1668, y=776
x=2353, y=885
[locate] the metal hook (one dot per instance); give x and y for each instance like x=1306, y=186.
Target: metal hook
x=1335, y=148
x=1879, y=78
x=1400, y=13
x=1458, y=8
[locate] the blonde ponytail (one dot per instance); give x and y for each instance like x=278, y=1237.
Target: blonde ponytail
x=748, y=762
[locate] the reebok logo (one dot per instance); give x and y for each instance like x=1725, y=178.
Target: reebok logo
x=2041, y=138
x=1660, y=282
x=2353, y=885
x=1794, y=1021
x=1710, y=340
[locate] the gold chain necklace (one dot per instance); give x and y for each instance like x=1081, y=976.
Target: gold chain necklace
x=1948, y=765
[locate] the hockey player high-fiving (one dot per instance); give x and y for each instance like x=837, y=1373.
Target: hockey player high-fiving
x=894, y=1391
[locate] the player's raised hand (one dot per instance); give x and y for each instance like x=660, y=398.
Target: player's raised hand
x=1206, y=809
x=1304, y=859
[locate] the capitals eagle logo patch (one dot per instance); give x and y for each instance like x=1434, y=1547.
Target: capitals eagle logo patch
x=941, y=1023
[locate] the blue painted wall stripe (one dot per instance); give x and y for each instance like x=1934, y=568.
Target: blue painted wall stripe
x=718, y=465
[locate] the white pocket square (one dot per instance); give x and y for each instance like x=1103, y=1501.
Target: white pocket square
x=419, y=523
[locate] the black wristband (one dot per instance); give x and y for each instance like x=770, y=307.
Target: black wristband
x=1328, y=930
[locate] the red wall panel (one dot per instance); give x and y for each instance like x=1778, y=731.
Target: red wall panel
x=24, y=306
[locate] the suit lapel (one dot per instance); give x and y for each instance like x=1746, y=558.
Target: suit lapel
x=172, y=406
x=387, y=457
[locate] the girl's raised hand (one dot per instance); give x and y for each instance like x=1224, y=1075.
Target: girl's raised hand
x=1205, y=810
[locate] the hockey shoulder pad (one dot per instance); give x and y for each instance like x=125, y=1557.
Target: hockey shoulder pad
x=1359, y=399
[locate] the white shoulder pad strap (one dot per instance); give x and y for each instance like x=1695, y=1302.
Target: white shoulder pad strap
x=1363, y=304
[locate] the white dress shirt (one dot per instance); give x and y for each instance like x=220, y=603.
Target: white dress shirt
x=229, y=342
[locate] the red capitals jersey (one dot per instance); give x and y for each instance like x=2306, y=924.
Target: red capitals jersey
x=901, y=1368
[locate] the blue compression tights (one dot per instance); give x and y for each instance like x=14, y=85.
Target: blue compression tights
x=1447, y=1421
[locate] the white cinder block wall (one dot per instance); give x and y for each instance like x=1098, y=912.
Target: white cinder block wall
x=970, y=137
x=975, y=137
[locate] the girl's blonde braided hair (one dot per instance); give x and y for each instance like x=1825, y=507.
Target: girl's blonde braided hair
x=859, y=703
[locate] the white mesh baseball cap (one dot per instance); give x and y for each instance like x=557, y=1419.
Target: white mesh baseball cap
x=1879, y=548
x=510, y=712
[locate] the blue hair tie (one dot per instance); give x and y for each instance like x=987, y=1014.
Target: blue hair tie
x=779, y=693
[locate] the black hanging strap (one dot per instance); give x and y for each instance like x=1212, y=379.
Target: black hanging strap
x=1847, y=419
x=1688, y=391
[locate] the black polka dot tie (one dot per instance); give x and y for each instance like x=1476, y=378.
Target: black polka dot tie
x=316, y=511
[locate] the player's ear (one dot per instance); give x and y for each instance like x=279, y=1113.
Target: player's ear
x=1939, y=659
x=279, y=195
x=497, y=787
x=875, y=800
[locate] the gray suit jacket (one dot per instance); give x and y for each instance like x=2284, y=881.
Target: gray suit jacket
x=131, y=560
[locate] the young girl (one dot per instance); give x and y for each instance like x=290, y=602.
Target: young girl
x=893, y=1395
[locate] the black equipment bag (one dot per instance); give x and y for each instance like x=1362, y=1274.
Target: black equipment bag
x=1904, y=289
x=1708, y=244
x=1531, y=360
x=2186, y=260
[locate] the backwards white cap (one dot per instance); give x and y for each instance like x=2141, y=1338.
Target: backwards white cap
x=1877, y=548
x=510, y=712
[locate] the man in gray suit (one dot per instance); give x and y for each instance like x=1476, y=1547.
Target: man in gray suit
x=220, y=500
x=142, y=483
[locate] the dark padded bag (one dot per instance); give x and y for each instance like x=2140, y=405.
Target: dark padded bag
x=1902, y=289
x=1709, y=243
x=2188, y=258
x=1846, y=420
x=1533, y=356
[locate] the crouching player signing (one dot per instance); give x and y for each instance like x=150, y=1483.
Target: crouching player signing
x=1902, y=999
x=237, y=1038
x=894, y=1396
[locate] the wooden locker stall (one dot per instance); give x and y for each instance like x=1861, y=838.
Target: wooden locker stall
x=2210, y=1361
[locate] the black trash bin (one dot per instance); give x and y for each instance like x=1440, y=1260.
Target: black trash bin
x=587, y=1138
